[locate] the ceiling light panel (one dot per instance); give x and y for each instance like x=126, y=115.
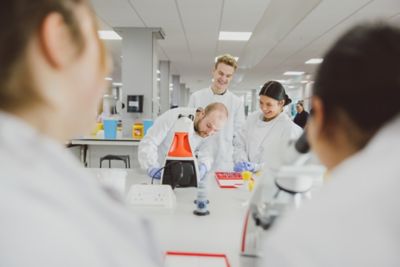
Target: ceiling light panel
x=314, y=61
x=294, y=73
x=109, y=35
x=234, y=36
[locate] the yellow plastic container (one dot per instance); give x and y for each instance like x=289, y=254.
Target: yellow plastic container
x=138, y=130
x=99, y=126
x=248, y=179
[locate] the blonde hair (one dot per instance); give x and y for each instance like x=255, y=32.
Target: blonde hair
x=20, y=21
x=226, y=59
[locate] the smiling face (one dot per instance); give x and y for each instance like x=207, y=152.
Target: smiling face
x=270, y=107
x=222, y=76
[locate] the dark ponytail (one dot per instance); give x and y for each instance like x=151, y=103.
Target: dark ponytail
x=287, y=100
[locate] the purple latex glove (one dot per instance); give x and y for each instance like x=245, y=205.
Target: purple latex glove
x=154, y=173
x=244, y=166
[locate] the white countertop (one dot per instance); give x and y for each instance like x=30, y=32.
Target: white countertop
x=102, y=141
x=178, y=229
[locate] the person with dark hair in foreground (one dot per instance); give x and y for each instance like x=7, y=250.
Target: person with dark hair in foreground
x=355, y=131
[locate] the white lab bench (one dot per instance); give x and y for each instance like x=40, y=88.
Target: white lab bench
x=91, y=149
x=178, y=229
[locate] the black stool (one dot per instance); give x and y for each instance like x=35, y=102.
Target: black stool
x=124, y=158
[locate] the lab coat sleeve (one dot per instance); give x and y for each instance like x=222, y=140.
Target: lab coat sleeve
x=148, y=147
x=289, y=138
x=205, y=151
x=239, y=146
x=238, y=121
x=191, y=103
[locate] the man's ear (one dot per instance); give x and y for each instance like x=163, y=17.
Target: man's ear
x=202, y=113
x=55, y=41
x=318, y=113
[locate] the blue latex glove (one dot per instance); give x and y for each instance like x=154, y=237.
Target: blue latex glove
x=244, y=166
x=202, y=170
x=154, y=173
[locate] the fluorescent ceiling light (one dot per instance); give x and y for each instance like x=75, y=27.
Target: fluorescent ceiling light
x=158, y=71
x=117, y=84
x=109, y=35
x=234, y=36
x=294, y=73
x=158, y=79
x=314, y=61
x=216, y=58
x=108, y=78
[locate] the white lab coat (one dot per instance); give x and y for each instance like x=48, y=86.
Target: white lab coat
x=155, y=145
x=354, y=220
x=267, y=143
x=222, y=144
x=54, y=213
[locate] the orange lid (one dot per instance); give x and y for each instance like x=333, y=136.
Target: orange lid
x=180, y=146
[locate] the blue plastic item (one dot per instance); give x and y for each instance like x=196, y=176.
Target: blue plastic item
x=147, y=124
x=110, y=128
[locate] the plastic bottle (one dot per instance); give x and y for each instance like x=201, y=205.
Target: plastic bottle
x=248, y=180
x=138, y=130
x=201, y=200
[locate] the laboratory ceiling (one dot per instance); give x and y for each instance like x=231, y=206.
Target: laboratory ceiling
x=285, y=33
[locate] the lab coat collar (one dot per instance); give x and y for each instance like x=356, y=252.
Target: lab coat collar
x=261, y=121
x=11, y=125
x=385, y=139
x=14, y=130
x=218, y=94
x=26, y=143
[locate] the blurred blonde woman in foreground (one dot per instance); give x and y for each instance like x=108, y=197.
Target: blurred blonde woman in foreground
x=53, y=212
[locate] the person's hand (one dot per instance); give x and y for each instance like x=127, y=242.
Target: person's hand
x=202, y=170
x=245, y=166
x=154, y=173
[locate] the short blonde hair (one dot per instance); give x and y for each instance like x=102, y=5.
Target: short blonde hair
x=20, y=21
x=226, y=59
x=216, y=106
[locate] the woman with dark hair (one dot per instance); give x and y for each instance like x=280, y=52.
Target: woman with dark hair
x=53, y=211
x=302, y=115
x=355, y=131
x=265, y=137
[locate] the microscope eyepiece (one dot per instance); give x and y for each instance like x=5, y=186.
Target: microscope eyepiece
x=302, y=145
